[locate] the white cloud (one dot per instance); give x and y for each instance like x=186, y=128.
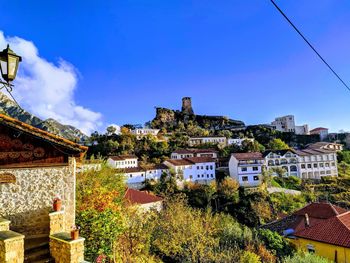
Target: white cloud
x=47, y=90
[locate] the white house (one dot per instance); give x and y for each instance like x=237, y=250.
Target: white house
x=145, y=131
x=322, y=132
x=286, y=159
x=246, y=168
x=137, y=175
x=122, y=161
x=238, y=141
x=287, y=124
x=187, y=153
x=194, y=141
x=193, y=169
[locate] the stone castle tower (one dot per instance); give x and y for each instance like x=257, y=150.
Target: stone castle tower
x=187, y=106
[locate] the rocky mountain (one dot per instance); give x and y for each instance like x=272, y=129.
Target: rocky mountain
x=10, y=108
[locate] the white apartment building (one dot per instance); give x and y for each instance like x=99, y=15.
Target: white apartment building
x=317, y=160
x=194, y=169
x=286, y=159
x=238, y=141
x=194, y=141
x=188, y=153
x=145, y=131
x=247, y=168
x=315, y=163
x=322, y=132
x=287, y=124
x=122, y=161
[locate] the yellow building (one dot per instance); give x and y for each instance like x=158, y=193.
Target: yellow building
x=320, y=228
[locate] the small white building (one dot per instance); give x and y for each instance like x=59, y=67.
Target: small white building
x=322, y=132
x=194, y=169
x=138, y=175
x=287, y=124
x=195, y=141
x=246, y=168
x=145, y=131
x=238, y=141
x=188, y=153
x=122, y=161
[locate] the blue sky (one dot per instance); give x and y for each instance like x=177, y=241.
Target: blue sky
x=235, y=58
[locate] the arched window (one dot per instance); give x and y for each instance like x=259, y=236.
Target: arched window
x=270, y=163
x=293, y=168
x=277, y=162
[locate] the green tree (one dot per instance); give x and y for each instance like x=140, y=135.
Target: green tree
x=277, y=144
x=302, y=257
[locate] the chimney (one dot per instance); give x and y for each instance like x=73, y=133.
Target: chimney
x=307, y=220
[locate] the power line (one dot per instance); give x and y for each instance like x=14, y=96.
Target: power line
x=318, y=54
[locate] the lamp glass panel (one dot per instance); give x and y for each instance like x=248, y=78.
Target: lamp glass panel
x=3, y=65
x=12, y=67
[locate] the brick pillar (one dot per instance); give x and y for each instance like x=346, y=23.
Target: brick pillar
x=4, y=224
x=65, y=250
x=57, y=223
x=11, y=247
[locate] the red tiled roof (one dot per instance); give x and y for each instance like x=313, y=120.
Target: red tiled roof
x=122, y=157
x=190, y=161
x=320, y=210
x=248, y=156
x=179, y=162
x=195, y=160
x=140, y=197
x=335, y=230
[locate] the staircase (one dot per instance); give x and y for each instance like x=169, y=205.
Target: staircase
x=37, y=249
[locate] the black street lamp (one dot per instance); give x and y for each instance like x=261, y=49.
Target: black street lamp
x=9, y=61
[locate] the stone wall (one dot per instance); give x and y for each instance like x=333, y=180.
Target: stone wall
x=27, y=202
x=11, y=247
x=65, y=250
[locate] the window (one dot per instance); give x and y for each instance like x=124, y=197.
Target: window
x=211, y=167
x=198, y=176
x=327, y=164
x=333, y=164
x=244, y=169
x=322, y=172
x=202, y=167
x=197, y=167
x=202, y=175
x=211, y=175
x=315, y=165
x=309, y=165
x=293, y=168
x=244, y=178
x=255, y=168
x=321, y=165
x=207, y=175
x=191, y=176
x=303, y=166
x=207, y=167
x=328, y=172
x=310, y=248
x=130, y=175
x=256, y=178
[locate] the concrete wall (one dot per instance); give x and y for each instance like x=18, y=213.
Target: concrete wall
x=27, y=202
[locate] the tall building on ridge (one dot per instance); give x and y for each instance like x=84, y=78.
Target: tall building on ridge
x=187, y=106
